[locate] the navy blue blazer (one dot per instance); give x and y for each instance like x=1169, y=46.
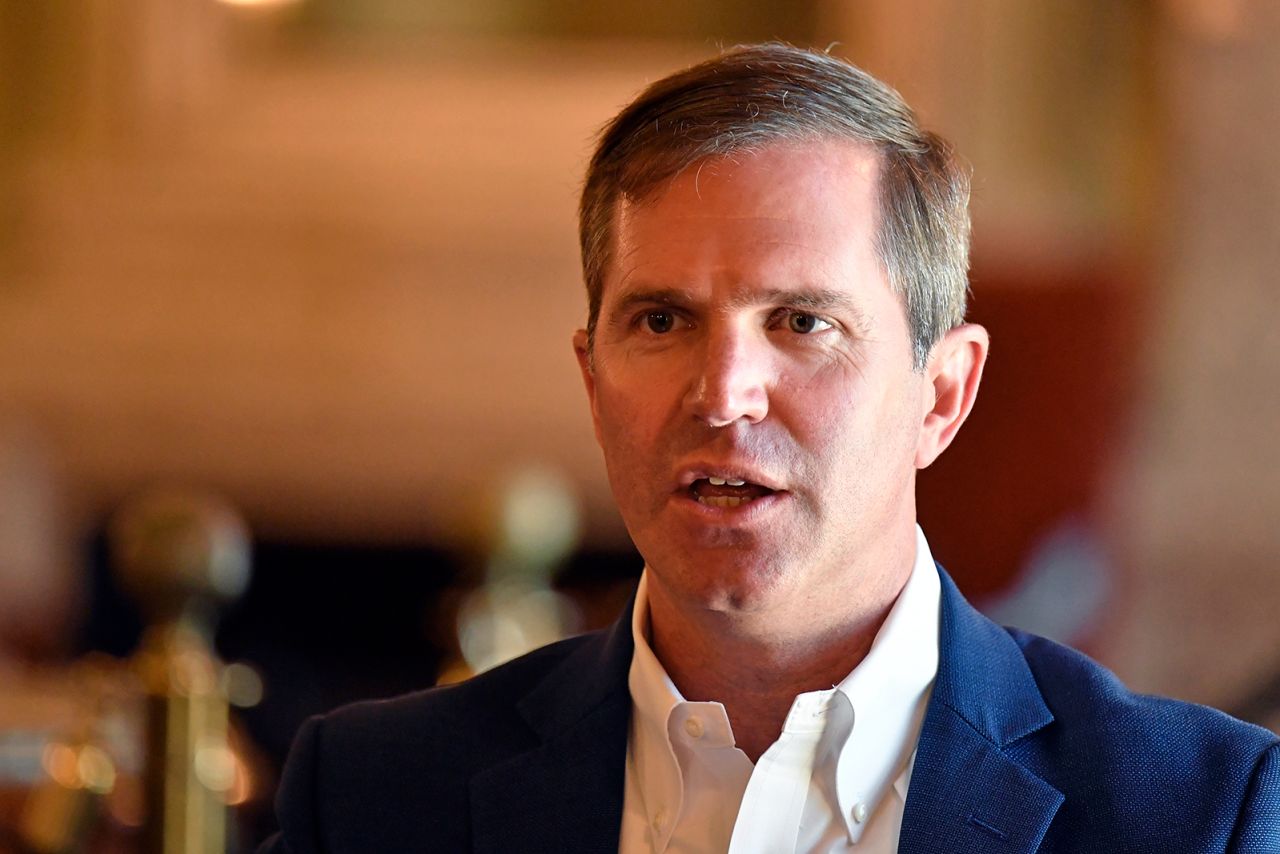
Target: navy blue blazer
x=1026, y=746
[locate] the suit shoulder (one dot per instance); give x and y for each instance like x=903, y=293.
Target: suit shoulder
x=1080, y=691
x=1096, y=716
x=480, y=703
x=354, y=774
x=1178, y=775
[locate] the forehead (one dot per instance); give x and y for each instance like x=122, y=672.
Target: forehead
x=797, y=210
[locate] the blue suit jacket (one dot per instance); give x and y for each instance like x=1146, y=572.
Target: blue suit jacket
x=1026, y=746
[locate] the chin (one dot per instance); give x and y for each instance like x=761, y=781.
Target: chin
x=727, y=581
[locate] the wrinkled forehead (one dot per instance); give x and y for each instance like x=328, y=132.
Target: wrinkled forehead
x=823, y=197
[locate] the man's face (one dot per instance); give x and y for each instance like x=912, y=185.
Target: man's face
x=752, y=384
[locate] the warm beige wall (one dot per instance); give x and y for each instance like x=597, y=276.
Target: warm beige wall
x=338, y=287
x=1197, y=498
x=1049, y=101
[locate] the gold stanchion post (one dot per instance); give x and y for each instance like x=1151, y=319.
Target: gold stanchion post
x=180, y=555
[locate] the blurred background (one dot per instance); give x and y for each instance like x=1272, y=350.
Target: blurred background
x=317, y=258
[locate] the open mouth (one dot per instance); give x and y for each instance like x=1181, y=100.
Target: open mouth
x=726, y=492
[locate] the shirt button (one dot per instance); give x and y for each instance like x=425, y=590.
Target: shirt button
x=660, y=819
x=693, y=726
x=859, y=812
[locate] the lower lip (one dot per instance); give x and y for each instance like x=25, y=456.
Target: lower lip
x=743, y=512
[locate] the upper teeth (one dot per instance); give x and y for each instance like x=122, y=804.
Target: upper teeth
x=722, y=481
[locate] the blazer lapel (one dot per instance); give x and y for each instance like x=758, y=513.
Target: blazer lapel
x=968, y=793
x=566, y=793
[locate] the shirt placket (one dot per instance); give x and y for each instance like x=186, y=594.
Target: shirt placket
x=773, y=805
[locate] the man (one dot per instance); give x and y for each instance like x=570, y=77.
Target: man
x=775, y=257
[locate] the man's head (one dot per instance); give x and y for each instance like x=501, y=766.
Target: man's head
x=752, y=97
x=761, y=396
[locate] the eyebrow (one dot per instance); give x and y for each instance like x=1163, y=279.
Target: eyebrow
x=807, y=299
x=650, y=296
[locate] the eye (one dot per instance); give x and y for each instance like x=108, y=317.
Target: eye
x=660, y=321
x=804, y=324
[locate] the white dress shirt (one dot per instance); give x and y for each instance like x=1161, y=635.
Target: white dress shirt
x=835, y=780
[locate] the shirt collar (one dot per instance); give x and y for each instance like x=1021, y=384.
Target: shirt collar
x=889, y=691
x=886, y=694
x=654, y=698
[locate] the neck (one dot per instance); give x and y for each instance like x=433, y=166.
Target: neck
x=756, y=664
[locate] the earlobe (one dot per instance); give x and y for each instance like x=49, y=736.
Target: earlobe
x=954, y=372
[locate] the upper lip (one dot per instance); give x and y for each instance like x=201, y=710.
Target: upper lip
x=729, y=471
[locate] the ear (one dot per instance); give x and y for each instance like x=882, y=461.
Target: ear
x=954, y=373
x=582, y=350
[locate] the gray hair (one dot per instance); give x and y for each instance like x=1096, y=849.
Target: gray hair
x=754, y=96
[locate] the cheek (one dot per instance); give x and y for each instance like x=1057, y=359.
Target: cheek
x=828, y=405
x=619, y=407
x=851, y=434
x=636, y=398
x=627, y=432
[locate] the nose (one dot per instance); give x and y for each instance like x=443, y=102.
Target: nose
x=732, y=377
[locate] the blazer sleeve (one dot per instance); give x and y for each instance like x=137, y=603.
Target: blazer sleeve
x=296, y=807
x=1258, y=827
